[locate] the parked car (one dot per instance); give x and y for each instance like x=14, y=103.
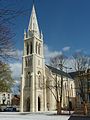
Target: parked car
x=10, y=109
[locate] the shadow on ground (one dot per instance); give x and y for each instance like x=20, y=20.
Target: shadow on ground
x=79, y=118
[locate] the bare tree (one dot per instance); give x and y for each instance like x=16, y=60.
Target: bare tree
x=58, y=63
x=8, y=15
x=8, y=52
x=81, y=65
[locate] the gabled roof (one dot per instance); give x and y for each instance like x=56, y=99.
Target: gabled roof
x=59, y=72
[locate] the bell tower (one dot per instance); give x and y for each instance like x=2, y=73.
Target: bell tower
x=33, y=92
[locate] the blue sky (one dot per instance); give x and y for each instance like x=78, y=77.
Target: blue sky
x=64, y=23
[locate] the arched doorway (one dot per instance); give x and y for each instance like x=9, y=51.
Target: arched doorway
x=28, y=105
x=39, y=104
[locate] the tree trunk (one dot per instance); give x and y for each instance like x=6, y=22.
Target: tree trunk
x=61, y=93
x=85, y=108
x=58, y=108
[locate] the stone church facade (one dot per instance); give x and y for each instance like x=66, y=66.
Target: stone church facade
x=35, y=96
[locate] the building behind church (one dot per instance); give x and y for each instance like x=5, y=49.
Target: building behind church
x=35, y=95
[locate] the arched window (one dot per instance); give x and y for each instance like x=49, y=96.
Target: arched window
x=31, y=47
x=39, y=49
x=27, y=48
x=36, y=46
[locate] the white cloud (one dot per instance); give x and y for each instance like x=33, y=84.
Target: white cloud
x=16, y=70
x=69, y=63
x=79, y=50
x=16, y=66
x=19, y=54
x=67, y=48
x=48, y=53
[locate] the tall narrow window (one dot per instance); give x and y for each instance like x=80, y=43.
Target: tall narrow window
x=39, y=49
x=65, y=85
x=26, y=62
x=27, y=48
x=71, y=90
x=39, y=104
x=29, y=79
x=36, y=46
x=71, y=86
x=39, y=79
x=31, y=48
x=26, y=79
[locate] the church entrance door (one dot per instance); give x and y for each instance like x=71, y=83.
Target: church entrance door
x=39, y=105
x=28, y=104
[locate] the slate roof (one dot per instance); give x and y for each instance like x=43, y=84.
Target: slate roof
x=57, y=71
x=73, y=74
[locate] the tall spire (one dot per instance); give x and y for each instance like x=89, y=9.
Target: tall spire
x=33, y=24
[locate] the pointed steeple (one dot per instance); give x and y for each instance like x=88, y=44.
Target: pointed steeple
x=33, y=24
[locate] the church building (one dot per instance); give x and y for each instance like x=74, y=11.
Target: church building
x=36, y=95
